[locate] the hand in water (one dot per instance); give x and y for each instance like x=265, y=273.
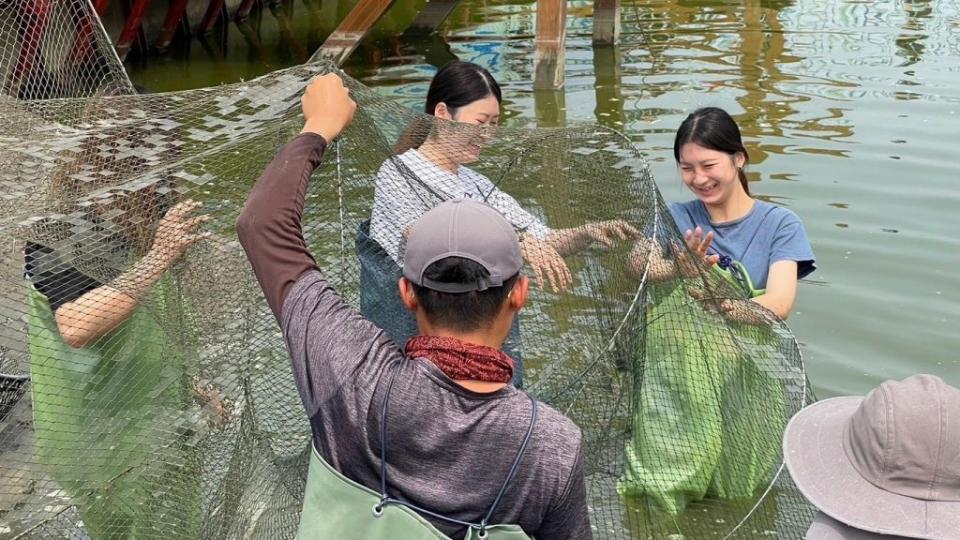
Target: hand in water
x=570, y=241
x=546, y=262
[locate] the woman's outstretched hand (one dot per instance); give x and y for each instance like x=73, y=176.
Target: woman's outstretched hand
x=606, y=232
x=176, y=232
x=547, y=264
x=698, y=244
x=570, y=241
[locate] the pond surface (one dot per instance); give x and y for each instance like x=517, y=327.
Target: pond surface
x=851, y=110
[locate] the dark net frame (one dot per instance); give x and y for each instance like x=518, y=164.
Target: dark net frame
x=88, y=170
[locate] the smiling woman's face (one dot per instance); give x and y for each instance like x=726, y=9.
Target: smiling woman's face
x=710, y=174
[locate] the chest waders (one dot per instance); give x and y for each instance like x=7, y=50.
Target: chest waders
x=336, y=507
x=707, y=420
x=102, y=418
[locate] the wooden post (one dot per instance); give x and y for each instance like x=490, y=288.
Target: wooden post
x=548, y=59
x=432, y=16
x=131, y=28
x=606, y=21
x=252, y=37
x=170, y=23
x=351, y=30
x=287, y=37
x=210, y=18
x=243, y=11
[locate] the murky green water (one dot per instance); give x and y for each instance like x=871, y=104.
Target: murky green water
x=851, y=110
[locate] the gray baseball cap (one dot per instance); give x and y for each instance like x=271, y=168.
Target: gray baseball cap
x=462, y=228
x=886, y=463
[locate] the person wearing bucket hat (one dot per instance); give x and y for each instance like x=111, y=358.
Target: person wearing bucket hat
x=430, y=441
x=884, y=465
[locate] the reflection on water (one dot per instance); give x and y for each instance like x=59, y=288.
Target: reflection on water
x=849, y=109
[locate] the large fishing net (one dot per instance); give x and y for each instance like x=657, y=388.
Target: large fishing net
x=183, y=420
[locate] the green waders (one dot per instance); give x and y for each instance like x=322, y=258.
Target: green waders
x=336, y=507
x=707, y=419
x=105, y=418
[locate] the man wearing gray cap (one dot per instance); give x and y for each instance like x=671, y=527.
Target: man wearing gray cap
x=430, y=442
x=883, y=466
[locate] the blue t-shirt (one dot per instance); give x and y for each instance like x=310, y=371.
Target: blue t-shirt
x=768, y=234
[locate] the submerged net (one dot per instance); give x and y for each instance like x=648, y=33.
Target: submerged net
x=184, y=421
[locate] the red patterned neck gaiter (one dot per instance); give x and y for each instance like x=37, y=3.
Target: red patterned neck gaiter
x=462, y=361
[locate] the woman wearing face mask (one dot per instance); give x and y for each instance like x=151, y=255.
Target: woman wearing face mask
x=429, y=168
x=707, y=415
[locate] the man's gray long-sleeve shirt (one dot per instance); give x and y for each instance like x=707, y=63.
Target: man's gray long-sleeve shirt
x=448, y=449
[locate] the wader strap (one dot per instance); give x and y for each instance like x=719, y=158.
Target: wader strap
x=387, y=500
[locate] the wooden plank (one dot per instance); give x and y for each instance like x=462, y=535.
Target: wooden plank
x=352, y=29
x=549, y=56
x=431, y=16
x=434, y=48
x=170, y=23
x=131, y=28
x=606, y=21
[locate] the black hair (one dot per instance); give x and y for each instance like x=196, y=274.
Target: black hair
x=467, y=311
x=457, y=84
x=713, y=128
x=460, y=83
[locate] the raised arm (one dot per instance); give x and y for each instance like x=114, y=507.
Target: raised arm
x=269, y=226
x=100, y=310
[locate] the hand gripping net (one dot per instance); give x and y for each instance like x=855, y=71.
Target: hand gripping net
x=184, y=420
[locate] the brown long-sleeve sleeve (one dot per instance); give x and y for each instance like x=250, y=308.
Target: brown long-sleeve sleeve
x=269, y=226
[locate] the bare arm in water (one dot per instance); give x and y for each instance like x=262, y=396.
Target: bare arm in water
x=648, y=255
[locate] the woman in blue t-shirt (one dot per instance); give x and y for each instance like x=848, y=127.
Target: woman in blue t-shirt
x=707, y=415
x=725, y=225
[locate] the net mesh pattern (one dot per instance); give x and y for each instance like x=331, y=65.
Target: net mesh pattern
x=181, y=418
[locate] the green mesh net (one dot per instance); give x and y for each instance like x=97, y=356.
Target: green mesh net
x=183, y=420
